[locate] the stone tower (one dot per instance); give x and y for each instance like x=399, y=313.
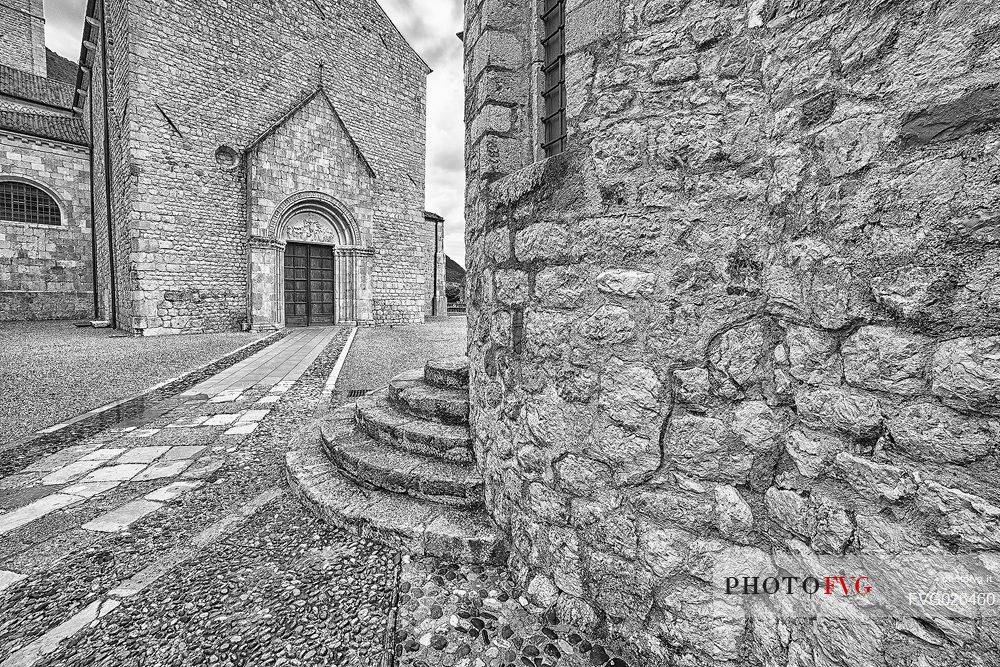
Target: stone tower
x=22, y=35
x=746, y=322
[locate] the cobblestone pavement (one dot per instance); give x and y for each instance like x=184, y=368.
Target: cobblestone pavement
x=475, y=616
x=169, y=539
x=379, y=354
x=51, y=371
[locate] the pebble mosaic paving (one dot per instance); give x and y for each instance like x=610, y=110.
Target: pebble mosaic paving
x=168, y=538
x=475, y=616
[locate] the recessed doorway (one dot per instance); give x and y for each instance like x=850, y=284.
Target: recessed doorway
x=309, y=285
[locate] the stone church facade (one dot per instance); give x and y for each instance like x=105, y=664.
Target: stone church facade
x=734, y=277
x=274, y=177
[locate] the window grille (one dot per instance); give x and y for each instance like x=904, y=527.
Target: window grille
x=554, y=77
x=24, y=203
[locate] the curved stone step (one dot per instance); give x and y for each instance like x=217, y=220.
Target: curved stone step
x=418, y=526
x=367, y=460
x=448, y=406
x=448, y=372
x=378, y=417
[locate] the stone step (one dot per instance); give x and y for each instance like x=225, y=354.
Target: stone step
x=448, y=373
x=378, y=417
x=369, y=461
x=418, y=526
x=410, y=392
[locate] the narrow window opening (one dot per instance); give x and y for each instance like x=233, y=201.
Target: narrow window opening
x=24, y=203
x=553, y=77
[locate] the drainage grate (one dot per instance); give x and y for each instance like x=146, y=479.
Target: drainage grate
x=356, y=393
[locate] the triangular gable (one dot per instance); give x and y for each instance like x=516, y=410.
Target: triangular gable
x=299, y=106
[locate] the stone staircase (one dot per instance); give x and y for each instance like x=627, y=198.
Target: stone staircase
x=398, y=466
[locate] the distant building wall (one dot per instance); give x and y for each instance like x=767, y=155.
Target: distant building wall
x=46, y=270
x=22, y=35
x=748, y=319
x=435, y=268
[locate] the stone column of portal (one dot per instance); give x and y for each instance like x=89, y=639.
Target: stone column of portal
x=748, y=321
x=266, y=283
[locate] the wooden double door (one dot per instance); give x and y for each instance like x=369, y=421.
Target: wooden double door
x=310, y=280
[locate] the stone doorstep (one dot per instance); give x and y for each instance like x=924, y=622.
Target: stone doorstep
x=448, y=406
x=377, y=417
x=369, y=461
x=448, y=372
x=417, y=526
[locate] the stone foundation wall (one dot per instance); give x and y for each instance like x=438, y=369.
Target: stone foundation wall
x=46, y=271
x=750, y=317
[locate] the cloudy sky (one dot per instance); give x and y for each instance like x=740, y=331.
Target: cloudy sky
x=430, y=25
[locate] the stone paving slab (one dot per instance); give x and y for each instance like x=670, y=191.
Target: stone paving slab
x=122, y=517
x=24, y=515
x=137, y=480
x=8, y=579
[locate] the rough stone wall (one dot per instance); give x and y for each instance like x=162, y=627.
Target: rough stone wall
x=45, y=270
x=22, y=35
x=751, y=312
x=204, y=75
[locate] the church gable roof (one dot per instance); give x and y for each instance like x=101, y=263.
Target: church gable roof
x=297, y=108
x=66, y=129
x=35, y=89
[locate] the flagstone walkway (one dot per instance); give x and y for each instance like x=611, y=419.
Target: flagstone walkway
x=169, y=538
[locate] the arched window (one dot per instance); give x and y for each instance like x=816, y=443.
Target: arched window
x=25, y=203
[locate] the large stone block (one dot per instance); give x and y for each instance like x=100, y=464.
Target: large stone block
x=961, y=518
x=965, y=373
x=887, y=359
x=842, y=409
x=813, y=355
x=706, y=449
x=871, y=479
x=936, y=434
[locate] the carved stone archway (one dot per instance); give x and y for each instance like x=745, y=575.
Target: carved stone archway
x=316, y=219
